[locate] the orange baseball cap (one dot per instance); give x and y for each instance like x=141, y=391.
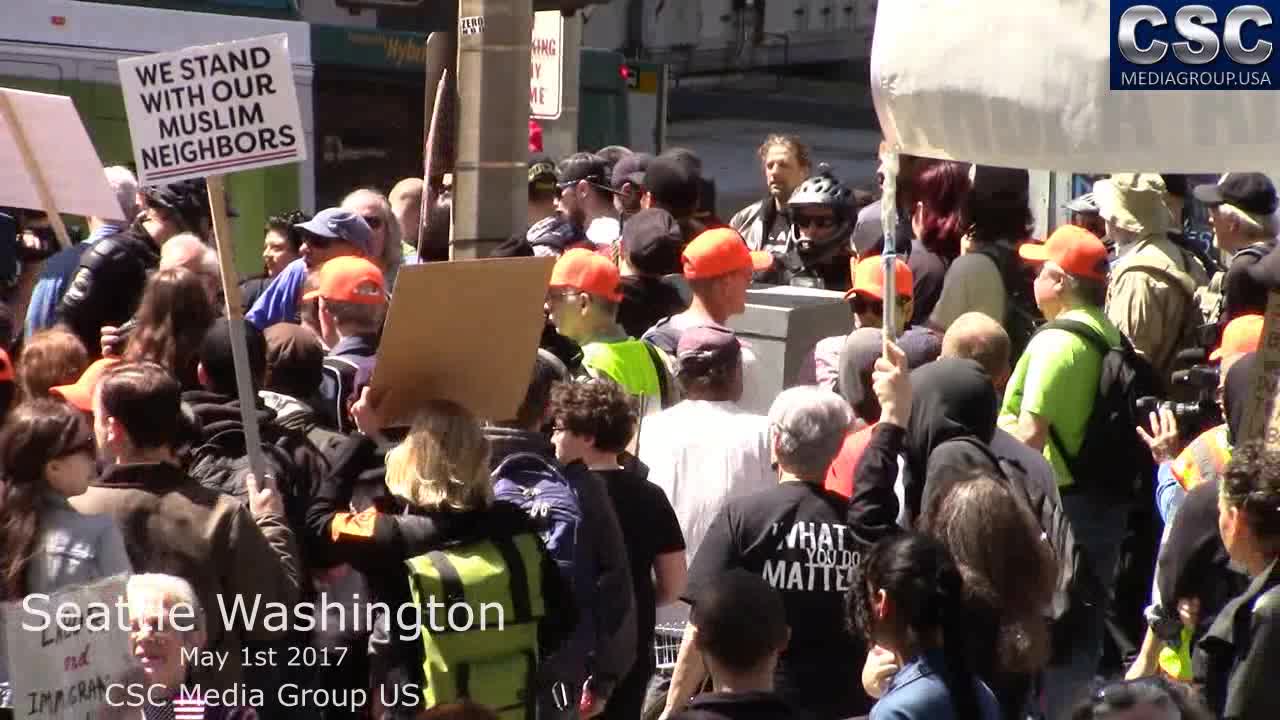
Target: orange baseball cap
x=868, y=278
x=589, y=272
x=1242, y=335
x=80, y=394
x=352, y=280
x=1072, y=248
x=720, y=251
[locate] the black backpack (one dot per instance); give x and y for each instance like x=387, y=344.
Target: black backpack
x=1021, y=314
x=1113, y=460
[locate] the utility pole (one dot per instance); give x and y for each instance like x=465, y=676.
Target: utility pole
x=490, y=182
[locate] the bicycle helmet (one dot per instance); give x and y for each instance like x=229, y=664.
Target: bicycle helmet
x=822, y=190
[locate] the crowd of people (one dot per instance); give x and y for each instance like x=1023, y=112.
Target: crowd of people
x=1036, y=494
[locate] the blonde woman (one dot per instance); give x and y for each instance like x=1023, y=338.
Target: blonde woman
x=435, y=492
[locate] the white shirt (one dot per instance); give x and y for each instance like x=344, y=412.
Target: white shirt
x=603, y=231
x=701, y=453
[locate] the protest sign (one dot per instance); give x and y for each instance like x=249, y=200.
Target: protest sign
x=47, y=161
x=547, y=65
x=212, y=109
x=206, y=111
x=1041, y=97
x=465, y=331
x=65, y=655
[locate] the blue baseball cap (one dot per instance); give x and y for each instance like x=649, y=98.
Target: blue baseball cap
x=341, y=225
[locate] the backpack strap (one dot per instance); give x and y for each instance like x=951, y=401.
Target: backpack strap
x=659, y=367
x=518, y=459
x=1093, y=339
x=1176, y=278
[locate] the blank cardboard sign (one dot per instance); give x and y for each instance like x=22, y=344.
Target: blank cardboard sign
x=60, y=151
x=465, y=331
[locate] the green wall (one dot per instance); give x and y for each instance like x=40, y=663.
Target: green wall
x=255, y=194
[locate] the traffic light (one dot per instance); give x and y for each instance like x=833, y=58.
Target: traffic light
x=567, y=7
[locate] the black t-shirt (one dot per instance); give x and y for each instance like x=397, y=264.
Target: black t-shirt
x=649, y=529
x=1249, y=277
x=795, y=536
x=928, y=269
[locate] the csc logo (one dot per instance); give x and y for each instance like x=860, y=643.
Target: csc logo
x=1195, y=24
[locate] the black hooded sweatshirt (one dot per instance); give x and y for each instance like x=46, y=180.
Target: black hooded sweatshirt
x=953, y=400
x=216, y=413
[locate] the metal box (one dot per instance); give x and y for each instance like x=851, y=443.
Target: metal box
x=782, y=324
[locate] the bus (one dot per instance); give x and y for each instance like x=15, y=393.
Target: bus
x=71, y=48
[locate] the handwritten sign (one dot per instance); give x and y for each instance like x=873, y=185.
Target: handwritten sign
x=1261, y=420
x=545, y=73
x=66, y=650
x=212, y=109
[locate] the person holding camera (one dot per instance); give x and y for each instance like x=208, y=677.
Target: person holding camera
x=1205, y=458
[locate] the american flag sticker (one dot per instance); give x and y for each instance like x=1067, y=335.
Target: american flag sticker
x=188, y=708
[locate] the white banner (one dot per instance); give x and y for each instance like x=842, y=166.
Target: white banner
x=212, y=109
x=65, y=654
x=1027, y=84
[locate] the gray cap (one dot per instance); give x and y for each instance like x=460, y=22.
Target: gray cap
x=340, y=224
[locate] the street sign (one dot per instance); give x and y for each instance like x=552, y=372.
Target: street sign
x=545, y=72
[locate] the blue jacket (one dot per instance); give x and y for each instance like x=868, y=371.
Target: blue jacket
x=279, y=302
x=919, y=692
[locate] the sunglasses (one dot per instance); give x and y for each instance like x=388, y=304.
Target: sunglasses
x=318, y=242
x=374, y=222
x=822, y=222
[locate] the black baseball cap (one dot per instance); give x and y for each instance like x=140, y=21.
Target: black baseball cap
x=672, y=185
x=651, y=242
x=584, y=166
x=631, y=169
x=1253, y=193
x=542, y=173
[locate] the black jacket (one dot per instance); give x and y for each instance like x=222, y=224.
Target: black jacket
x=216, y=413
x=377, y=542
x=108, y=285
x=1237, y=660
x=739, y=706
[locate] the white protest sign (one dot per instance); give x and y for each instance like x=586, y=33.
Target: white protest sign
x=212, y=109
x=545, y=72
x=64, y=657
x=47, y=161
x=1040, y=96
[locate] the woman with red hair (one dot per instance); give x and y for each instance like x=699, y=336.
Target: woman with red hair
x=938, y=197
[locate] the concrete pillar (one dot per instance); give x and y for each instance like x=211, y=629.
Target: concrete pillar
x=490, y=183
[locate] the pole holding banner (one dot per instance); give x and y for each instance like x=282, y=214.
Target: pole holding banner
x=235, y=318
x=33, y=168
x=889, y=219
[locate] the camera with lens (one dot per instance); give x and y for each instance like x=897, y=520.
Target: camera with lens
x=1201, y=412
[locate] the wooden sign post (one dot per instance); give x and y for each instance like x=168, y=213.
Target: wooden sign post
x=204, y=112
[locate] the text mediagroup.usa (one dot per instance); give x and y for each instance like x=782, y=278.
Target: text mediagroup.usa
x=1192, y=79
